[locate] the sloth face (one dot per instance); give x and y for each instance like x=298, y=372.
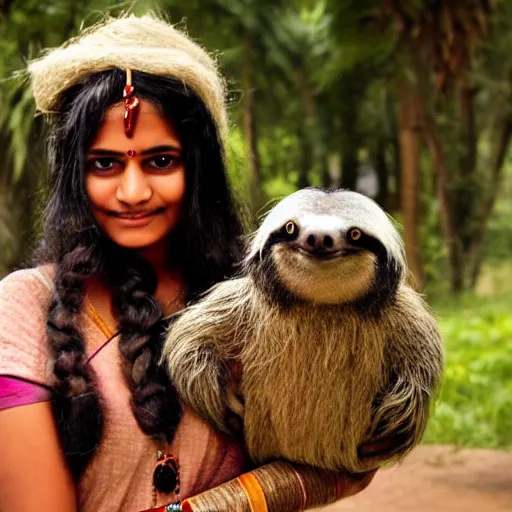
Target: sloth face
x=327, y=248
x=322, y=264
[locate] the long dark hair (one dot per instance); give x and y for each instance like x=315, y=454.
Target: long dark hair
x=206, y=244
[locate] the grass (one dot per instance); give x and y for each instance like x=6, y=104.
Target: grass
x=474, y=408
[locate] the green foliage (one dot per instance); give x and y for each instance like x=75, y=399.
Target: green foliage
x=498, y=243
x=323, y=73
x=474, y=408
x=237, y=164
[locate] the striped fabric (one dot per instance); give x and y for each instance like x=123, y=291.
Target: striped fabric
x=275, y=487
x=254, y=492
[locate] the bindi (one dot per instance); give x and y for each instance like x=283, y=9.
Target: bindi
x=131, y=153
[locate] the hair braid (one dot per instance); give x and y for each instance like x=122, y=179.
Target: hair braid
x=154, y=400
x=75, y=402
x=209, y=243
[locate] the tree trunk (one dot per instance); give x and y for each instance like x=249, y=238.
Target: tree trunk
x=326, y=177
x=382, y=170
x=334, y=169
x=249, y=128
x=349, y=166
x=468, y=126
x=446, y=209
x=5, y=6
x=409, y=140
x=350, y=142
x=394, y=194
x=18, y=205
x=17, y=221
x=308, y=130
x=466, y=196
x=503, y=135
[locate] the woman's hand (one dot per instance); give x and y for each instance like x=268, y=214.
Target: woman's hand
x=33, y=471
x=350, y=483
x=374, y=452
x=277, y=487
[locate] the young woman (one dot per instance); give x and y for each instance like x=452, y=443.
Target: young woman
x=139, y=220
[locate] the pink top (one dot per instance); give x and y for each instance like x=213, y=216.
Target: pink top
x=119, y=476
x=15, y=392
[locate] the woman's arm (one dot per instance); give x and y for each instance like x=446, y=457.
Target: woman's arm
x=33, y=472
x=278, y=487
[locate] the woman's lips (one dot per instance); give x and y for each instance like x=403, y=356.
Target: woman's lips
x=136, y=219
x=137, y=215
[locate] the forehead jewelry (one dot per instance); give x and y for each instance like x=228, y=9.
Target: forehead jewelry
x=131, y=153
x=131, y=104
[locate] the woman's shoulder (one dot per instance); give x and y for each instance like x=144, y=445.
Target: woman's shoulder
x=25, y=296
x=26, y=282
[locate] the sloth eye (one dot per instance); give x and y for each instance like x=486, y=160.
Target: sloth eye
x=355, y=234
x=290, y=229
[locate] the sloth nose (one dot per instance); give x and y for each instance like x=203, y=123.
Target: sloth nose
x=320, y=241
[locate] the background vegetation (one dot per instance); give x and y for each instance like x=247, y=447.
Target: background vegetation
x=408, y=101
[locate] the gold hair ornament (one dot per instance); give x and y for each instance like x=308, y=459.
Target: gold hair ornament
x=131, y=104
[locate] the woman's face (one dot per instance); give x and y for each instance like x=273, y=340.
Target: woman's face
x=136, y=185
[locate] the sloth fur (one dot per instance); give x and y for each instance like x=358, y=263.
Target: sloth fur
x=336, y=350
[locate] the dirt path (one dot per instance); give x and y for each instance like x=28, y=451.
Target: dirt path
x=439, y=479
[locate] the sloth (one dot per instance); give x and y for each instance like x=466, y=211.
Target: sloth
x=336, y=351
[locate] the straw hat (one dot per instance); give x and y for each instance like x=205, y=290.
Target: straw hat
x=140, y=43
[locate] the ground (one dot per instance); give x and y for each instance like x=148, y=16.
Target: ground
x=439, y=479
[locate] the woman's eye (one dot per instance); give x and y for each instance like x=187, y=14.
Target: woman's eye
x=162, y=162
x=102, y=164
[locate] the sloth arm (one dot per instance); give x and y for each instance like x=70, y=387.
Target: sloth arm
x=414, y=359
x=202, y=345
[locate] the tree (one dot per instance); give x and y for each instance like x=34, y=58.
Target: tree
x=440, y=39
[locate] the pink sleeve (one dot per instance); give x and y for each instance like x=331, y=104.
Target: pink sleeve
x=15, y=392
x=24, y=301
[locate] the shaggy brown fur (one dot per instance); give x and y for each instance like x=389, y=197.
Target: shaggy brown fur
x=336, y=350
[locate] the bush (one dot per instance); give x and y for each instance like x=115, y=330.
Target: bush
x=474, y=408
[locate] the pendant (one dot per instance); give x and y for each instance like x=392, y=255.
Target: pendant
x=166, y=476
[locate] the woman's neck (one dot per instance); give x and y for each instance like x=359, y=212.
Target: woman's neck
x=157, y=256
x=170, y=290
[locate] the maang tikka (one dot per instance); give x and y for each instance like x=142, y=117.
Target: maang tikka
x=131, y=104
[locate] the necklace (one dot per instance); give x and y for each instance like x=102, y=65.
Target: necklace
x=96, y=317
x=166, y=474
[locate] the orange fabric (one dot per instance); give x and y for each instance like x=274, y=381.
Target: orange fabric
x=254, y=492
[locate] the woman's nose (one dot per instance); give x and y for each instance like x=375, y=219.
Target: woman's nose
x=133, y=188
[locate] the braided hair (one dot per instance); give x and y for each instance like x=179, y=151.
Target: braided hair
x=205, y=244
